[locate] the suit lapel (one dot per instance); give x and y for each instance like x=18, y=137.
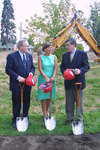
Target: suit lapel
x=75, y=56
x=68, y=57
x=69, y=60
x=27, y=60
x=20, y=60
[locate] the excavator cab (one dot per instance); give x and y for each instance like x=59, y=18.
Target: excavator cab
x=73, y=26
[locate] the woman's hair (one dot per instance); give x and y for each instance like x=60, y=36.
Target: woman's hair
x=46, y=45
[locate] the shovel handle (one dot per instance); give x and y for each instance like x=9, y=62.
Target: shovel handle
x=51, y=95
x=21, y=87
x=78, y=86
x=50, y=103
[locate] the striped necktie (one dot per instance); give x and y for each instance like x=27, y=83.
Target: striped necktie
x=71, y=57
x=24, y=60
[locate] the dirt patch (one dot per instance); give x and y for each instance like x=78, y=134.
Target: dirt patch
x=69, y=142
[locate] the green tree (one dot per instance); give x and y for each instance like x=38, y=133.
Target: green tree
x=55, y=17
x=94, y=21
x=7, y=24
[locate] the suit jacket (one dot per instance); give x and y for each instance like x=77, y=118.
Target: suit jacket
x=15, y=67
x=80, y=61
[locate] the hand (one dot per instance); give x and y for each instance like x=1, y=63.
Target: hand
x=47, y=79
x=52, y=79
x=21, y=79
x=31, y=73
x=77, y=71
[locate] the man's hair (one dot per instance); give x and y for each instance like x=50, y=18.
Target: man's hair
x=46, y=45
x=21, y=43
x=72, y=41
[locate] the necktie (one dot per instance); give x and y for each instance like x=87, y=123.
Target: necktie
x=24, y=61
x=71, y=57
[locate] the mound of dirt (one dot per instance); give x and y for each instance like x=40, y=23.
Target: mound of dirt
x=69, y=142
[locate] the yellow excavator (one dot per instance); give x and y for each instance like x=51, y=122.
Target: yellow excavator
x=73, y=26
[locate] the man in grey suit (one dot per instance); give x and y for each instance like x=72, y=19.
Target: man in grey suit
x=78, y=61
x=19, y=65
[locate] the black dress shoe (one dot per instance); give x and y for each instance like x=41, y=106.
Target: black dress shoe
x=45, y=118
x=14, y=124
x=68, y=122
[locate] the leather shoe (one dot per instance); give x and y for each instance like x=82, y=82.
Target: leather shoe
x=68, y=122
x=14, y=124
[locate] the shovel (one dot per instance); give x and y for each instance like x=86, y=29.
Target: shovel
x=77, y=126
x=50, y=121
x=22, y=122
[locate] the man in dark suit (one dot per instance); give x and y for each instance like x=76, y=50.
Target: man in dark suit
x=78, y=61
x=19, y=65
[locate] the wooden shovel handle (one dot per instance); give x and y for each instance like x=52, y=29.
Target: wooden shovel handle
x=78, y=86
x=21, y=87
x=51, y=95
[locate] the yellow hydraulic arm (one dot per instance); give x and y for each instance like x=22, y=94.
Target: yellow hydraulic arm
x=88, y=38
x=64, y=34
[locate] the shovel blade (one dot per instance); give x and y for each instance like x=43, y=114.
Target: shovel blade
x=50, y=123
x=22, y=124
x=77, y=127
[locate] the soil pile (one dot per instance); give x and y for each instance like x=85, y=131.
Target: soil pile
x=69, y=142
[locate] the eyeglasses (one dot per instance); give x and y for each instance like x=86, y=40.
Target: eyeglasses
x=68, y=44
x=25, y=45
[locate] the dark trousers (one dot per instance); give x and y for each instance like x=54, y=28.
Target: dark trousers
x=16, y=102
x=70, y=104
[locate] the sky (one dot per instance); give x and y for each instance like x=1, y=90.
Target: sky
x=24, y=9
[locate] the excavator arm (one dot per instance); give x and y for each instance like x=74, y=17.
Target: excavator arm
x=88, y=38
x=64, y=34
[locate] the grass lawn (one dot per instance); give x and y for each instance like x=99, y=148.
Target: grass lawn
x=91, y=105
